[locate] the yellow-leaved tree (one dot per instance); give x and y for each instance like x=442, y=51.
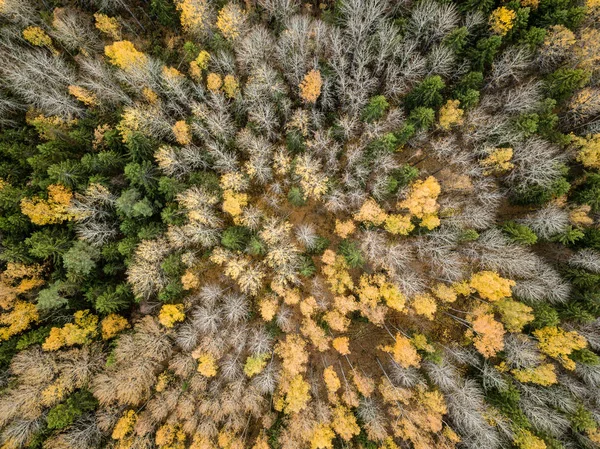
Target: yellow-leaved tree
x=124, y=55
x=310, y=87
x=51, y=211
x=559, y=344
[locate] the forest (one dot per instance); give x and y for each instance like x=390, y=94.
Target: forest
x=269, y=224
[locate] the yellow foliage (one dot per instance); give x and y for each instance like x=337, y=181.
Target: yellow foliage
x=541, y=375
x=364, y=384
x=533, y=4
x=170, y=314
x=85, y=96
x=559, y=344
x=112, y=325
x=444, y=293
x=230, y=21
x=462, y=288
x=322, y=437
x=451, y=114
x=403, y=352
x=293, y=352
x=297, y=395
x=124, y=55
x=420, y=342
x=487, y=333
x=230, y=86
x=312, y=181
x=80, y=332
x=332, y=382
x=214, y=82
x=579, y=216
x=17, y=320
x=198, y=65
x=182, y=132
x=491, y=286
x=430, y=221
x=335, y=270
x=51, y=211
x=163, y=381
x=344, y=423
x=422, y=198
x=194, y=15
x=207, y=364
x=425, y=305
x=498, y=161
x=255, y=364
x=341, y=345
x=398, y=224
x=344, y=228
x=515, y=315
x=36, y=36
x=268, y=307
x=234, y=202
x=336, y=320
x=502, y=20
x=108, y=25
x=190, y=280
x=124, y=425
x=371, y=213
x=310, y=87
x=524, y=439
x=170, y=436
x=589, y=154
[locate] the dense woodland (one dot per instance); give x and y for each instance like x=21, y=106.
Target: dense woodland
x=356, y=224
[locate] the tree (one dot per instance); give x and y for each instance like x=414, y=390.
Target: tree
x=375, y=109
x=124, y=55
x=171, y=314
x=403, y=352
x=53, y=210
x=426, y=94
x=502, y=20
x=310, y=87
x=489, y=285
x=559, y=344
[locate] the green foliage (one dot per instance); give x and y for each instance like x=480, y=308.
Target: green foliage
x=33, y=337
x=582, y=420
x=422, y=118
x=375, y=109
x=508, y=402
x=588, y=192
x=561, y=84
x=457, y=39
x=256, y=247
x=235, y=238
x=295, y=142
x=469, y=235
x=585, y=356
x=569, y=237
x=65, y=414
x=164, y=12
x=484, y=52
x=296, y=197
x=54, y=296
x=351, y=252
x=49, y=243
x=538, y=195
x=307, y=267
x=80, y=259
x=519, y=233
x=545, y=315
x=113, y=299
x=320, y=245
x=427, y=94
